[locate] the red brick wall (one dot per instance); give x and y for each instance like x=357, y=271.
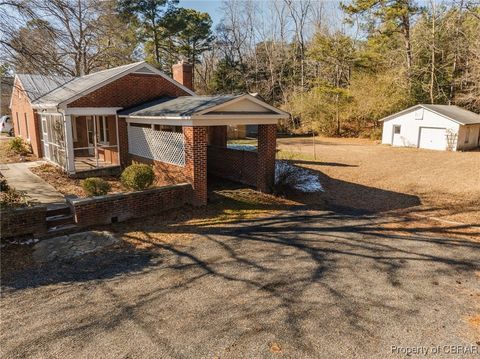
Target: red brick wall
x=196, y=161
x=217, y=136
x=21, y=107
x=128, y=91
x=22, y=222
x=123, y=206
x=267, y=137
x=236, y=165
x=194, y=171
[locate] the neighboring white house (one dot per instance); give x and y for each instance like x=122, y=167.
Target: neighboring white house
x=436, y=127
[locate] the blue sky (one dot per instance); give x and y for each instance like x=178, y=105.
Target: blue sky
x=210, y=6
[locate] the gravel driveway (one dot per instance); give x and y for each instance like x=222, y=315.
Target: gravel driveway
x=300, y=285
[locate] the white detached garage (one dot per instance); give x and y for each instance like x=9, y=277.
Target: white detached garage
x=435, y=127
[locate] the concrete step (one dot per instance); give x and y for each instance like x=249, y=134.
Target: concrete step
x=58, y=211
x=61, y=230
x=55, y=221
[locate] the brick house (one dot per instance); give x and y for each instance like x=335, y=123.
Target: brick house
x=107, y=120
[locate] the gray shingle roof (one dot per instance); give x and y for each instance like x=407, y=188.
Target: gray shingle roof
x=36, y=86
x=81, y=84
x=455, y=113
x=452, y=112
x=177, y=106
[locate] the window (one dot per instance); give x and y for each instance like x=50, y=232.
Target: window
x=18, y=124
x=102, y=130
x=26, y=125
x=396, y=129
x=467, y=134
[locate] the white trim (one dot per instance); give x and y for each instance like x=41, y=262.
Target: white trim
x=69, y=144
x=240, y=98
x=118, y=140
x=121, y=74
x=236, y=121
x=90, y=111
x=238, y=117
x=212, y=120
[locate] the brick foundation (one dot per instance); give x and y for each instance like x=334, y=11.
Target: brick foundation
x=123, y=206
x=23, y=222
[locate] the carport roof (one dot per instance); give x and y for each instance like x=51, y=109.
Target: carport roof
x=454, y=113
x=176, y=106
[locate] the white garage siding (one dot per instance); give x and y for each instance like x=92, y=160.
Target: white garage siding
x=410, y=129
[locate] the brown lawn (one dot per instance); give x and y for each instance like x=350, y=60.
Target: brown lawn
x=70, y=186
x=362, y=175
x=8, y=156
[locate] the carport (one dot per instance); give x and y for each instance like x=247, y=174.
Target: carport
x=185, y=138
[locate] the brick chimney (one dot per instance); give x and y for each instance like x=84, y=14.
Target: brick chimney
x=183, y=73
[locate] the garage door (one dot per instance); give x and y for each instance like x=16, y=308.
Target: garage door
x=433, y=138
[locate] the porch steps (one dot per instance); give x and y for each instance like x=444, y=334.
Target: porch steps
x=59, y=219
x=58, y=211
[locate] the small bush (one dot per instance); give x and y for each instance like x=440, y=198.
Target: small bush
x=18, y=146
x=3, y=184
x=11, y=198
x=95, y=186
x=137, y=177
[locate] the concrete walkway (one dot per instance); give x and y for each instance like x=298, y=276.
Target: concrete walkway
x=20, y=177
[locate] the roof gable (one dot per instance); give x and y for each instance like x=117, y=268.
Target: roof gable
x=81, y=86
x=201, y=106
x=451, y=112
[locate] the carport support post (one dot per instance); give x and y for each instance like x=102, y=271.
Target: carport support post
x=196, y=138
x=267, y=144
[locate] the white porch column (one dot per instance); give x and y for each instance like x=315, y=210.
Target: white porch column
x=69, y=152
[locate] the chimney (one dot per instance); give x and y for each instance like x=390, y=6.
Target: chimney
x=183, y=73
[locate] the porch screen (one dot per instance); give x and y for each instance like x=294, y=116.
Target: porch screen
x=161, y=146
x=53, y=138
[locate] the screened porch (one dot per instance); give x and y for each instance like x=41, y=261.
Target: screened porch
x=95, y=142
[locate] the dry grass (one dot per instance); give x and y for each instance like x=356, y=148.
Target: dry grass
x=359, y=174
x=69, y=186
x=8, y=156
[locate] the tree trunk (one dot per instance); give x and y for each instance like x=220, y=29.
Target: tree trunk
x=432, y=67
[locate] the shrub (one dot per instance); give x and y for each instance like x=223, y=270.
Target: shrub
x=18, y=146
x=137, y=177
x=11, y=198
x=3, y=184
x=95, y=186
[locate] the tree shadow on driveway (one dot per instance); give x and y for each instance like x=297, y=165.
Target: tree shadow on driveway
x=316, y=282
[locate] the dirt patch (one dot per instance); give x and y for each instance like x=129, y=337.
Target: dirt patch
x=8, y=156
x=70, y=186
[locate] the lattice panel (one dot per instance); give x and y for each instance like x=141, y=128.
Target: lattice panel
x=157, y=145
